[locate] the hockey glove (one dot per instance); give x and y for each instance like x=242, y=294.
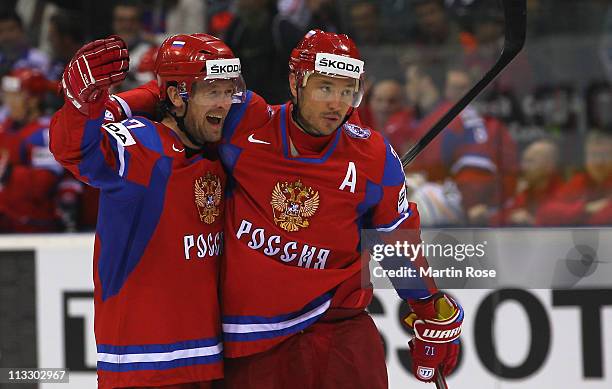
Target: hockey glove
x=93, y=70
x=437, y=325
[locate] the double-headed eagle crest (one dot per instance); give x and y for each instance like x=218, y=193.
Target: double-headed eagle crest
x=294, y=203
x=208, y=192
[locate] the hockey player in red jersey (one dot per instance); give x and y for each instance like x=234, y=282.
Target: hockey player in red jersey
x=29, y=175
x=301, y=188
x=160, y=224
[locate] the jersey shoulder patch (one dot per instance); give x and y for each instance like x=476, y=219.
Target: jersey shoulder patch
x=354, y=131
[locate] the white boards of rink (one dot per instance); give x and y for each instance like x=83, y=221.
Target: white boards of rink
x=512, y=338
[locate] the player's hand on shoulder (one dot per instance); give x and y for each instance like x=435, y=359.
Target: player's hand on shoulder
x=93, y=70
x=436, y=322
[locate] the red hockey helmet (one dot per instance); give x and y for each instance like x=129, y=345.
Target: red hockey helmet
x=330, y=54
x=29, y=80
x=185, y=59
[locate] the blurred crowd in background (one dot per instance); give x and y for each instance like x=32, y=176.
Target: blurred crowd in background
x=535, y=149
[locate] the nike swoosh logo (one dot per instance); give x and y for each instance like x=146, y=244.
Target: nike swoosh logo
x=177, y=150
x=253, y=140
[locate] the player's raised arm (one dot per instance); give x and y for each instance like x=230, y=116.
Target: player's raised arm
x=78, y=139
x=435, y=317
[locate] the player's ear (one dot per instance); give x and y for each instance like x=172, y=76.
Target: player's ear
x=293, y=85
x=174, y=97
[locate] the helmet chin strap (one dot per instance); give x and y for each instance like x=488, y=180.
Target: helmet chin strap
x=180, y=122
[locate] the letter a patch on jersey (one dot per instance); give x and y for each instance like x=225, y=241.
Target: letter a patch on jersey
x=350, y=180
x=292, y=205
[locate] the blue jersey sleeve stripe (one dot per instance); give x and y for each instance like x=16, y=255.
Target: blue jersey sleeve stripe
x=234, y=117
x=414, y=293
x=158, y=348
x=254, y=336
x=283, y=126
x=314, y=304
x=395, y=223
x=394, y=173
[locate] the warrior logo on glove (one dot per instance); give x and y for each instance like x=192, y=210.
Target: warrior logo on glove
x=425, y=373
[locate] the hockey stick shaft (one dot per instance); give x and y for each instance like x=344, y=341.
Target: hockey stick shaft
x=515, y=16
x=440, y=380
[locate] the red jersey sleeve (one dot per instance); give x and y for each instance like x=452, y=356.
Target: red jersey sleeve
x=141, y=101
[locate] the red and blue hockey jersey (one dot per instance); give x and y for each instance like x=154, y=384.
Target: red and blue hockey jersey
x=29, y=185
x=477, y=152
x=158, y=240
x=293, y=224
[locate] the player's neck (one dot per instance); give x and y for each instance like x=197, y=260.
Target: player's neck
x=304, y=142
x=171, y=124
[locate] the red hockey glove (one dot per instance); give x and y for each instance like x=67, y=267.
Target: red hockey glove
x=437, y=325
x=93, y=70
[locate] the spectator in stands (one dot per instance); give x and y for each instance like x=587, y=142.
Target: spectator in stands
x=184, y=17
x=598, y=98
x=127, y=23
x=365, y=23
x=263, y=41
x=436, y=31
x=388, y=111
x=541, y=180
x=587, y=198
x=488, y=31
x=476, y=152
x=65, y=37
x=28, y=172
x=15, y=51
x=312, y=14
x=458, y=82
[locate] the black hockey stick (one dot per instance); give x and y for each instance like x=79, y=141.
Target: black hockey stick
x=440, y=380
x=515, y=17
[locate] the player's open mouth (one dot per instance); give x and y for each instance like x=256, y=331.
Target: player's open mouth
x=214, y=119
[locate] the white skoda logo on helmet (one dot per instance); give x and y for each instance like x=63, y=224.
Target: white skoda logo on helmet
x=223, y=68
x=338, y=65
